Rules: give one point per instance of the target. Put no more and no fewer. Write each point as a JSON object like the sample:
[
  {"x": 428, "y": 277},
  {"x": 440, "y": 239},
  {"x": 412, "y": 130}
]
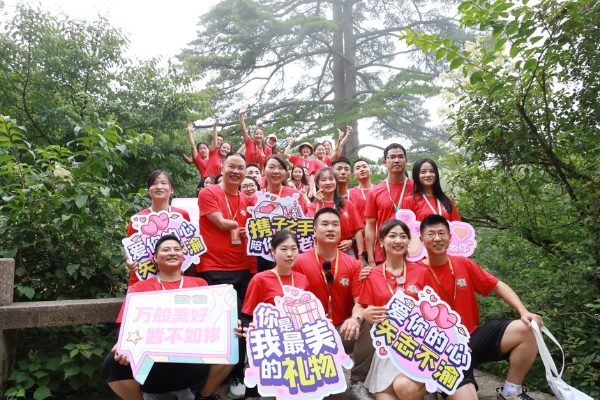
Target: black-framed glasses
[
  {"x": 394, "y": 157},
  {"x": 327, "y": 268}
]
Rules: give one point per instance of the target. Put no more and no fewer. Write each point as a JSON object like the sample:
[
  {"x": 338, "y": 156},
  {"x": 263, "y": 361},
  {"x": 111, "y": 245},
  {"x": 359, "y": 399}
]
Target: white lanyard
[
  {"x": 439, "y": 206},
  {"x": 396, "y": 207},
  {"x": 161, "y": 285}
]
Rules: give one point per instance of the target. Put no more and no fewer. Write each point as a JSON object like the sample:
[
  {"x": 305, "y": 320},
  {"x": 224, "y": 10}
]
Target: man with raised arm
[{"x": 385, "y": 199}]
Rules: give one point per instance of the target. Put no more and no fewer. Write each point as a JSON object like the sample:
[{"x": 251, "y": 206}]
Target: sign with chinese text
[
  {"x": 193, "y": 325},
  {"x": 425, "y": 340},
  {"x": 189, "y": 204},
  {"x": 462, "y": 243},
  {"x": 294, "y": 352},
  {"x": 150, "y": 227},
  {"x": 272, "y": 214}
]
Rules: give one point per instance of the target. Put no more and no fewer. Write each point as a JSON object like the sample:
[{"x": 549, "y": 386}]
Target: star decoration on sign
[{"x": 134, "y": 337}]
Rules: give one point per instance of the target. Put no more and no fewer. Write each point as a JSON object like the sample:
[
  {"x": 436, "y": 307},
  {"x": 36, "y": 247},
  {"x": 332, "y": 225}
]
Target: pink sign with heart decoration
[
  {"x": 424, "y": 339},
  {"x": 462, "y": 242},
  {"x": 298, "y": 344}
]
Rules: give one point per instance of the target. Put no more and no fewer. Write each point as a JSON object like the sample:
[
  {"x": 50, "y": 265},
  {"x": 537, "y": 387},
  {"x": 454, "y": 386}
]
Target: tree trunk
[
  {"x": 339, "y": 81},
  {"x": 350, "y": 67}
]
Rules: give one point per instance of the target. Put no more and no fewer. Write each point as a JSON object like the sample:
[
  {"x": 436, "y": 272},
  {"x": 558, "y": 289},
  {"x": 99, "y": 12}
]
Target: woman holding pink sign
[
  {"x": 428, "y": 197},
  {"x": 384, "y": 379},
  {"x": 160, "y": 189}
]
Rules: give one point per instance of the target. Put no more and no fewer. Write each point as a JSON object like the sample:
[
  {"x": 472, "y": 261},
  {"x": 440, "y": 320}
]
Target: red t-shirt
[
  {"x": 359, "y": 202},
  {"x": 201, "y": 164},
  {"x": 356, "y": 192},
  {"x": 256, "y": 154},
  {"x": 214, "y": 164},
  {"x": 419, "y": 206},
  {"x": 251, "y": 261},
  {"x": 315, "y": 165},
  {"x": 221, "y": 254},
  {"x": 344, "y": 289},
  {"x": 150, "y": 285},
  {"x": 375, "y": 291},
  {"x": 130, "y": 231},
  {"x": 264, "y": 286},
  {"x": 327, "y": 161},
  {"x": 297, "y": 160},
  {"x": 350, "y": 219},
  {"x": 469, "y": 279},
  {"x": 380, "y": 207}
]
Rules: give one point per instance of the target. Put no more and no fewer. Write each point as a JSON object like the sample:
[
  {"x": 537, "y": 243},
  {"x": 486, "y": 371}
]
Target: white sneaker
[
  {"x": 360, "y": 392},
  {"x": 237, "y": 389}
]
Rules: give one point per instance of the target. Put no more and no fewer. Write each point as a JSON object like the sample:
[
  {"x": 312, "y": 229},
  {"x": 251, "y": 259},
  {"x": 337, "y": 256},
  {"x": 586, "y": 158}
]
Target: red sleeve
[
  {"x": 252, "y": 296},
  {"x": 311, "y": 209},
  {"x": 483, "y": 281},
  {"x": 294, "y": 159},
  {"x": 327, "y": 161},
  {"x": 313, "y": 167},
  {"x": 207, "y": 202},
  {"x": 454, "y": 214},
  {"x": 408, "y": 203},
  {"x": 355, "y": 219},
  {"x": 366, "y": 294},
  {"x": 130, "y": 230},
  {"x": 357, "y": 284},
  {"x": 371, "y": 206},
  {"x": 200, "y": 164},
  {"x": 268, "y": 150}
]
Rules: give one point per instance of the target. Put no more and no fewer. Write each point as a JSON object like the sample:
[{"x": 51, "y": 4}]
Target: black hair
[
  {"x": 325, "y": 210},
  {"x": 340, "y": 160},
  {"x": 226, "y": 142},
  {"x": 253, "y": 180},
  {"x": 390, "y": 224},
  {"x": 282, "y": 162},
  {"x": 234, "y": 154},
  {"x": 304, "y": 179},
  {"x": 434, "y": 219},
  {"x": 393, "y": 146},
  {"x": 155, "y": 174},
  {"x": 437, "y": 187},
  {"x": 358, "y": 160},
  {"x": 338, "y": 201},
  {"x": 163, "y": 239},
  {"x": 253, "y": 164},
  {"x": 281, "y": 236},
  {"x": 211, "y": 177},
  {"x": 204, "y": 143},
  {"x": 221, "y": 136},
  {"x": 217, "y": 178}
]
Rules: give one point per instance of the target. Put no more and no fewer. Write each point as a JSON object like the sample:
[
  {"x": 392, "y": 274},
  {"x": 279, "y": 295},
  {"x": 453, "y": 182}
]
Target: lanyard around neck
[
  {"x": 387, "y": 185},
  {"x": 386, "y": 282},
  {"x": 163, "y": 287},
  {"x": 437, "y": 280},
  {"x": 231, "y": 215},
  {"x": 439, "y": 205},
  {"x": 279, "y": 279},
  {"x": 337, "y": 261}
]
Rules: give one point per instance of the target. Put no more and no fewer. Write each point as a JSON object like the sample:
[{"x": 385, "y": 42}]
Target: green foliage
[{"x": 524, "y": 111}]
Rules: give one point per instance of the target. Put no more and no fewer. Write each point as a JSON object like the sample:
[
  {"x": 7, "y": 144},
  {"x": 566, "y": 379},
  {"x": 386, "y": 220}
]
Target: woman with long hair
[
  {"x": 351, "y": 223},
  {"x": 299, "y": 180},
  {"x": 160, "y": 188},
  {"x": 384, "y": 379},
  {"x": 428, "y": 197}
]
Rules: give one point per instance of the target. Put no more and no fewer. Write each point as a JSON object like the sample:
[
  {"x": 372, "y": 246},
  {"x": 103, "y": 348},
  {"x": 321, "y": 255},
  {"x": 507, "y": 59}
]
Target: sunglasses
[{"x": 327, "y": 268}]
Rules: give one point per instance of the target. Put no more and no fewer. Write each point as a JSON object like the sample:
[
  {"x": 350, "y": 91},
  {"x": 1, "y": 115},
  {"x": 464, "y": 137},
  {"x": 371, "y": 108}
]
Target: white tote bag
[{"x": 558, "y": 386}]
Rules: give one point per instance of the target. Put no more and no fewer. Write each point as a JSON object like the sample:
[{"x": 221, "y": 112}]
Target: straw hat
[{"x": 307, "y": 145}]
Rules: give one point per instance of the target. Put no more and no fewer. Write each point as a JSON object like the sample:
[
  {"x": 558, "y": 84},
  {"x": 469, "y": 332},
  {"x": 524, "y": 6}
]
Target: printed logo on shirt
[
  {"x": 346, "y": 214},
  {"x": 412, "y": 288},
  {"x": 345, "y": 281},
  {"x": 461, "y": 282},
  {"x": 243, "y": 212}
]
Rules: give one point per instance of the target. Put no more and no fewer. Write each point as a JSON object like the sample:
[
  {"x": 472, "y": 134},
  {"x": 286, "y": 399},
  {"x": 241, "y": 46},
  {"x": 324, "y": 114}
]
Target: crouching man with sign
[
  {"x": 168, "y": 341},
  {"x": 456, "y": 279}
]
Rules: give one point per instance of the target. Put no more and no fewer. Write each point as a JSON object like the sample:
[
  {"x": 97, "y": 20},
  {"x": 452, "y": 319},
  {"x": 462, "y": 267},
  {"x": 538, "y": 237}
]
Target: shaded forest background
[{"x": 81, "y": 126}]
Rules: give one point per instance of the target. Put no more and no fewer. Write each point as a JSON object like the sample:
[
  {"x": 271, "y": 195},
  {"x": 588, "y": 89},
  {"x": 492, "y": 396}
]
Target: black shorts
[
  {"x": 163, "y": 377},
  {"x": 485, "y": 347}
]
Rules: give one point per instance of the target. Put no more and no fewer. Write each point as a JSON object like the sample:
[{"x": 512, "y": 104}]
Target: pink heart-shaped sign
[
  {"x": 382, "y": 351},
  {"x": 267, "y": 209},
  {"x": 405, "y": 217},
  {"x": 432, "y": 298},
  {"x": 149, "y": 229},
  {"x": 430, "y": 313},
  {"x": 161, "y": 221},
  {"x": 445, "y": 319},
  {"x": 295, "y": 292},
  {"x": 461, "y": 233},
  {"x": 377, "y": 343}
]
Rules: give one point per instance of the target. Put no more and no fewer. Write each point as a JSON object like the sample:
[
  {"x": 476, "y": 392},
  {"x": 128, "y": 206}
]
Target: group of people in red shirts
[{"x": 359, "y": 259}]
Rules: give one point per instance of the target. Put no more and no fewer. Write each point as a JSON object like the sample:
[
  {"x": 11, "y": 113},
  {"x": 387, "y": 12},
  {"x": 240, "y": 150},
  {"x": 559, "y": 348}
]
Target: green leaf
[
  {"x": 80, "y": 200},
  {"x": 457, "y": 62},
  {"x": 499, "y": 44},
  {"x": 514, "y": 51},
  {"x": 530, "y": 64},
  {"x": 440, "y": 54},
  {"x": 475, "y": 77},
  {"x": 71, "y": 370},
  {"x": 42, "y": 393},
  {"x": 26, "y": 291}
]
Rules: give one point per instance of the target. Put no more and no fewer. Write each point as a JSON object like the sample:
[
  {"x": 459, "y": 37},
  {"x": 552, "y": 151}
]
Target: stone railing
[{"x": 37, "y": 314}]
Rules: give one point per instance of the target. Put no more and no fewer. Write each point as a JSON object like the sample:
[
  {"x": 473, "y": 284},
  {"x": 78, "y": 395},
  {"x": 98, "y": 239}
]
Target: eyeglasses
[
  {"x": 431, "y": 235},
  {"x": 327, "y": 268},
  {"x": 398, "y": 157},
  {"x": 248, "y": 186}
]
